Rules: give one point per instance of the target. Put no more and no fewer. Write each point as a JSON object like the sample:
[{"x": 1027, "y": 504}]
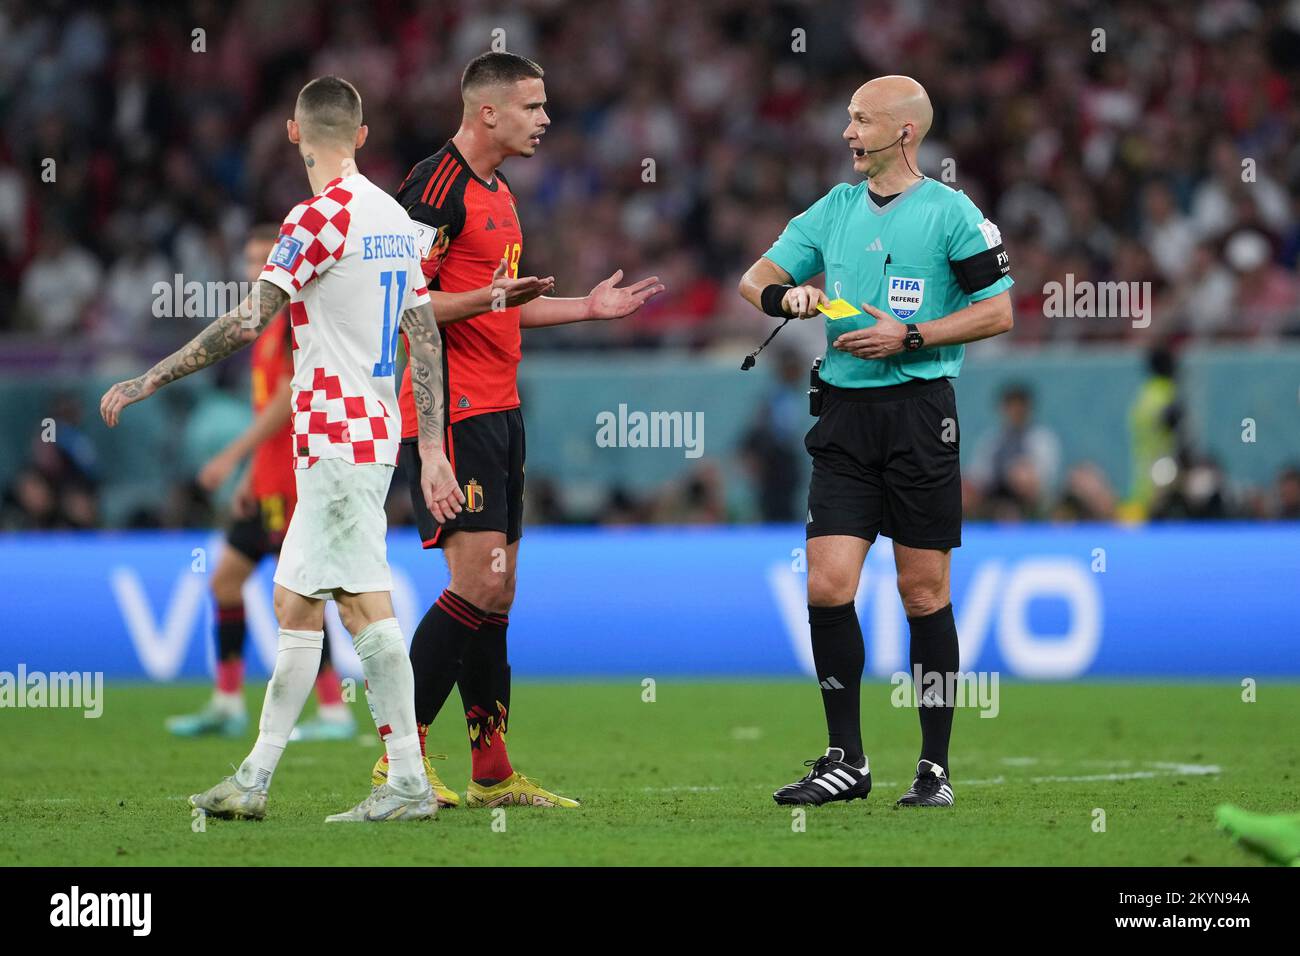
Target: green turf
[{"x": 683, "y": 780}]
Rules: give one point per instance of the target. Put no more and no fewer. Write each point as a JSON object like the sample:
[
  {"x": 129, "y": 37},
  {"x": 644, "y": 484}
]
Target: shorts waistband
[{"x": 889, "y": 393}]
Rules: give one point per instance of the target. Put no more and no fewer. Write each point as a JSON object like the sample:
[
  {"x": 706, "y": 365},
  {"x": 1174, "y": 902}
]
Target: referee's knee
[
  {"x": 923, "y": 598},
  {"x": 830, "y": 588}
]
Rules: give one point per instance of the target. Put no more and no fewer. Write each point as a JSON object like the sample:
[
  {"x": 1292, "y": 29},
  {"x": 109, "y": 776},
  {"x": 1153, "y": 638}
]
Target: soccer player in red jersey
[
  {"x": 262, "y": 506},
  {"x": 472, "y": 241}
]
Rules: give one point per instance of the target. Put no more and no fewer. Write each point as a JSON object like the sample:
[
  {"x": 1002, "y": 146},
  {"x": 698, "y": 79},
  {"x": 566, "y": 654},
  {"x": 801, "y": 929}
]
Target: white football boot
[
  {"x": 384, "y": 804},
  {"x": 231, "y": 801}
]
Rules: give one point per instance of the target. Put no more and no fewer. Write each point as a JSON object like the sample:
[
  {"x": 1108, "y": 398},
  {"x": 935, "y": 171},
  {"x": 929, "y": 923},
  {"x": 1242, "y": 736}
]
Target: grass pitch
[{"x": 685, "y": 780}]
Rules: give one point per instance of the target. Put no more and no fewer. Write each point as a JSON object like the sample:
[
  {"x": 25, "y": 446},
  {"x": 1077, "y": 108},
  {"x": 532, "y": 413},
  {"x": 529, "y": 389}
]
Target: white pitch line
[{"x": 1162, "y": 769}]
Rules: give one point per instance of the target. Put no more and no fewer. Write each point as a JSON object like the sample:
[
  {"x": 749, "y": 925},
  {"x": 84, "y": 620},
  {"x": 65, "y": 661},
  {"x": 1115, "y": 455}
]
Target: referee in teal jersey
[{"x": 928, "y": 273}]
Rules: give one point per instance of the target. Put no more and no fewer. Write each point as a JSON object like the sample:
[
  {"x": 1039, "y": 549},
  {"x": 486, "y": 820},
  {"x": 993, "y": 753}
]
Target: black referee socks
[
  {"x": 934, "y": 651},
  {"x": 839, "y": 656}
]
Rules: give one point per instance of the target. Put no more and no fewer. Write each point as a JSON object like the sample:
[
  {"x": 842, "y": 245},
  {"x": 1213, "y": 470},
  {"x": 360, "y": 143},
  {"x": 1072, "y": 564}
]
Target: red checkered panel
[
  {"x": 329, "y": 424},
  {"x": 321, "y": 226},
  {"x": 343, "y": 320}
]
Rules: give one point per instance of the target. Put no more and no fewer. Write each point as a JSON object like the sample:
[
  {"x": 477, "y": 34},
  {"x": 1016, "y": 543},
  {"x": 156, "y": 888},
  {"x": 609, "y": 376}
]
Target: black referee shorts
[
  {"x": 487, "y": 453},
  {"x": 882, "y": 465}
]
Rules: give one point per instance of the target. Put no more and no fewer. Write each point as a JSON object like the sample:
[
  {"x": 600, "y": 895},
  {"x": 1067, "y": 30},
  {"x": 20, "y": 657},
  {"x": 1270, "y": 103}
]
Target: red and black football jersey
[
  {"x": 473, "y": 226},
  {"x": 271, "y": 469}
]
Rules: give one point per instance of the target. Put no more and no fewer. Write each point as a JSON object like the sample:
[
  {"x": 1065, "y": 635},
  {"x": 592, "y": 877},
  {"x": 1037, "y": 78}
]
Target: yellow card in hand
[{"x": 838, "y": 309}]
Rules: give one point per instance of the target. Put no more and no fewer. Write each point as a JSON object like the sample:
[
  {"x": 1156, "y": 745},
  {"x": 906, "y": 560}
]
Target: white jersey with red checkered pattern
[{"x": 348, "y": 258}]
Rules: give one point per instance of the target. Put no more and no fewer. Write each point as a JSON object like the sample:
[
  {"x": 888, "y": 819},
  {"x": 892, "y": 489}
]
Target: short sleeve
[
  {"x": 312, "y": 239},
  {"x": 979, "y": 260},
  {"x": 417, "y": 295},
  {"x": 437, "y": 211},
  {"x": 798, "y": 250}
]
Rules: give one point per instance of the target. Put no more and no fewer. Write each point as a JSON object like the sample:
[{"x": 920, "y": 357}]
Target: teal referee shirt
[{"x": 925, "y": 254}]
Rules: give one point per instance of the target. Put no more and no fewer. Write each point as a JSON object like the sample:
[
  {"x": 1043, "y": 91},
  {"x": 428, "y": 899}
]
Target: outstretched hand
[
  {"x": 509, "y": 292},
  {"x": 608, "y": 301}
]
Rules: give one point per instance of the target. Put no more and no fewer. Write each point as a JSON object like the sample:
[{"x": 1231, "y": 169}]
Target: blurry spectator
[
  {"x": 1206, "y": 303},
  {"x": 1087, "y": 496},
  {"x": 1167, "y": 233},
  {"x": 622, "y": 509},
  {"x": 129, "y": 291},
  {"x": 29, "y": 504},
  {"x": 1288, "y": 494},
  {"x": 1213, "y": 203},
  {"x": 57, "y": 487},
  {"x": 1196, "y": 490},
  {"x": 59, "y": 285},
  {"x": 772, "y": 449},
  {"x": 698, "y": 498},
  {"x": 1017, "y": 466},
  {"x": 1154, "y": 419},
  {"x": 1267, "y": 295}
]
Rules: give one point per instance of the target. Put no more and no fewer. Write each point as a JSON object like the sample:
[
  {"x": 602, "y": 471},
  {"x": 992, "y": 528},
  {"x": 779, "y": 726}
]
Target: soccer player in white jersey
[{"x": 347, "y": 264}]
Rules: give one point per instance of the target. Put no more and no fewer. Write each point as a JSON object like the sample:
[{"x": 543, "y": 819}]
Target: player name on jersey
[{"x": 398, "y": 246}]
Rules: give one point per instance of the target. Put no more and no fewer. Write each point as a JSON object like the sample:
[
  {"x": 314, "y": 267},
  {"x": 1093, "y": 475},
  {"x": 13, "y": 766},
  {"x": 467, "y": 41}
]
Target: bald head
[
  {"x": 888, "y": 118},
  {"x": 901, "y": 100}
]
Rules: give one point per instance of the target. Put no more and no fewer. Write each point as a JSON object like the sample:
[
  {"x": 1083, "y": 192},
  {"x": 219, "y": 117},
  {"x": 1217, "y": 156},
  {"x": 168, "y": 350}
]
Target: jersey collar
[
  {"x": 490, "y": 186},
  {"x": 336, "y": 181},
  {"x": 897, "y": 200}
]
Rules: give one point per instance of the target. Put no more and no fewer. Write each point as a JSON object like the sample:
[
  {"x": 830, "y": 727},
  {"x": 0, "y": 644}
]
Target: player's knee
[
  {"x": 492, "y": 593},
  {"x": 294, "y": 614},
  {"x": 352, "y": 622},
  {"x": 227, "y": 588},
  {"x": 488, "y": 588}
]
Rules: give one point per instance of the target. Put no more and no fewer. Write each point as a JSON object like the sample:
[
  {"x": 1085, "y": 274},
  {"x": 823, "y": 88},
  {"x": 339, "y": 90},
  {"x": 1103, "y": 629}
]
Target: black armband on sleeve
[
  {"x": 772, "y": 297},
  {"x": 982, "y": 269}
]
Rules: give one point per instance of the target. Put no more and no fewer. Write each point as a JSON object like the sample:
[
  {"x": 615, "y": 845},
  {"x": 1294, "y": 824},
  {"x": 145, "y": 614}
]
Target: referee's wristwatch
[{"x": 912, "y": 340}]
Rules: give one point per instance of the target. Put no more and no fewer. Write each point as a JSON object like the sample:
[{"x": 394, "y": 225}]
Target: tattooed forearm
[
  {"x": 426, "y": 372},
  {"x": 225, "y": 336}
]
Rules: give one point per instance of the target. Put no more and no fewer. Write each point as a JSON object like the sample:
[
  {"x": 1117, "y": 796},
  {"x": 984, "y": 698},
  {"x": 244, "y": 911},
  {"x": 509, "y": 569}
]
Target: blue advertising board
[{"x": 1043, "y": 603}]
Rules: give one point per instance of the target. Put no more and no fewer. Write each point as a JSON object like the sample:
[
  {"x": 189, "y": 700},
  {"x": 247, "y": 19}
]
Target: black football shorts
[
  {"x": 487, "y": 453},
  {"x": 886, "y": 461},
  {"x": 260, "y": 535}
]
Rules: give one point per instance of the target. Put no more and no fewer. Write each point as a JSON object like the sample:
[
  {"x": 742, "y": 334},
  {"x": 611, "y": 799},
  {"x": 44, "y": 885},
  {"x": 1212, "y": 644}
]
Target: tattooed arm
[
  {"x": 224, "y": 337},
  {"x": 442, "y": 494}
]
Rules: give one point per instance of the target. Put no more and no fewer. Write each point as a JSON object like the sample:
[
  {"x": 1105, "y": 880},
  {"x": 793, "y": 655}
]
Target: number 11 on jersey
[{"x": 394, "y": 284}]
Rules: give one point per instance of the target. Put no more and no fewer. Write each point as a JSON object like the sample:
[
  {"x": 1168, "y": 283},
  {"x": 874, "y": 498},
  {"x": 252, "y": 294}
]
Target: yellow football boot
[
  {"x": 446, "y": 796},
  {"x": 515, "y": 791}
]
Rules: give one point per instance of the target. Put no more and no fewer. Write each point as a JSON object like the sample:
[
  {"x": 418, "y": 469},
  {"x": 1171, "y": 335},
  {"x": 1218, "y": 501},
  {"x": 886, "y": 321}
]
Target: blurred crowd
[
  {"x": 1171, "y": 156},
  {"x": 1147, "y": 141},
  {"x": 1016, "y": 472}
]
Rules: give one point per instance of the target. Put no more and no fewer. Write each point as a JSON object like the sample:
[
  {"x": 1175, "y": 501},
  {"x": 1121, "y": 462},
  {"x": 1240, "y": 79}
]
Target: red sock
[
  {"x": 487, "y": 749},
  {"x": 230, "y": 675},
  {"x": 423, "y": 729},
  {"x": 328, "y": 691}
]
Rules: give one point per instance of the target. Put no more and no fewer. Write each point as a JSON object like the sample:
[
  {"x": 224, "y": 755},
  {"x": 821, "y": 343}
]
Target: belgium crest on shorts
[{"x": 473, "y": 496}]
